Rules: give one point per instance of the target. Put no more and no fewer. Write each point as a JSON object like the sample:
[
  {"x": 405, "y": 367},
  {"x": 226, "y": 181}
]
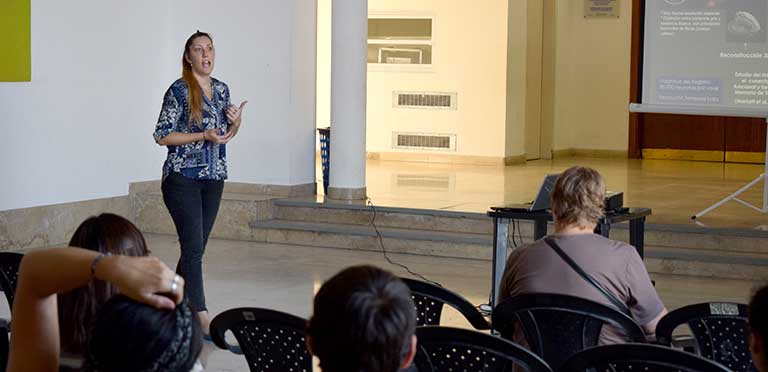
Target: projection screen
[{"x": 706, "y": 57}]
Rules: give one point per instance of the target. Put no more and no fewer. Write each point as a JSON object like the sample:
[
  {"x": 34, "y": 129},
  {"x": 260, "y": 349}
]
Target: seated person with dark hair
[
  {"x": 577, "y": 206},
  {"x": 107, "y": 234},
  {"x": 363, "y": 320},
  {"x": 758, "y": 324},
  {"x": 147, "y": 328}
]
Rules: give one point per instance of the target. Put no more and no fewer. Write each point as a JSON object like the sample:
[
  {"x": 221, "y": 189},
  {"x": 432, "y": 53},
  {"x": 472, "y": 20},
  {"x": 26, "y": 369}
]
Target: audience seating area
[{"x": 561, "y": 333}]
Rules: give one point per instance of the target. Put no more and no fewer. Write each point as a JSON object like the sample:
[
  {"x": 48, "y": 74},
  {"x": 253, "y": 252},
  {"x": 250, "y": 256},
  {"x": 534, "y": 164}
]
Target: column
[{"x": 349, "y": 33}]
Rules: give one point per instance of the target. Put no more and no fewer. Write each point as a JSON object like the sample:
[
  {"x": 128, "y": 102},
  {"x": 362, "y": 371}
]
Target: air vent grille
[
  {"x": 424, "y": 141},
  {"x": 424, "y": 100},
  {"x": 411, "y": 140}
]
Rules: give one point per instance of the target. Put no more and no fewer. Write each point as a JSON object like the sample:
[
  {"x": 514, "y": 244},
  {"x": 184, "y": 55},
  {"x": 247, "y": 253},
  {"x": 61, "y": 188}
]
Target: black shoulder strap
[{"x": 588, "y": 278}]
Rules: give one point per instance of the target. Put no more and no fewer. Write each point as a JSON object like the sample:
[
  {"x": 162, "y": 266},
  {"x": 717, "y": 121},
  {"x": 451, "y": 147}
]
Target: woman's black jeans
[{"x": 193, "y": 205}]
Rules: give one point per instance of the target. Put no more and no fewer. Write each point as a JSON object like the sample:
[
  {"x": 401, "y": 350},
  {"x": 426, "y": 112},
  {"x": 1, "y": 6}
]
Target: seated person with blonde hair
[{"x": 577, "y": 206}]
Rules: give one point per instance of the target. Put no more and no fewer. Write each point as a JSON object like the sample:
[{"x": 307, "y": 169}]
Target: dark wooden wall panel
[
  {"x": 683, "y": 132},
  {"x": 745, "y": 134}
]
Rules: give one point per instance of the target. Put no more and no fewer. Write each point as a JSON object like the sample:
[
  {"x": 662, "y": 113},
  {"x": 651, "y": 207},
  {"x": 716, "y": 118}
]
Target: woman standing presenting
[{"x": 196, "y": 122}]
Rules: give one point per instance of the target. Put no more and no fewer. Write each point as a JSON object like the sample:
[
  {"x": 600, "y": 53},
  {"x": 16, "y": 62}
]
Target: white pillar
[{"x": 349, "y": 33}]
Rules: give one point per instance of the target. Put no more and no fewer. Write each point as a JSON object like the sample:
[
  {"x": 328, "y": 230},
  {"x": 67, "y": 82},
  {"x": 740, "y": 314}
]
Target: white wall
[
  {"x": 591, "y": 78},
  {"x": 324, "y": 16},
  {"x": 524, "y": 69},
  {"x": 300, "y": 140},
  {"x": 263, "y": 54},
  {"x": 470, "y": 54},
  {"x": 534, "y": 78},
  {"x": 567, "y": 77},
  {"x": 82, "y": 129},
  {"x": 488, "y": 52}
]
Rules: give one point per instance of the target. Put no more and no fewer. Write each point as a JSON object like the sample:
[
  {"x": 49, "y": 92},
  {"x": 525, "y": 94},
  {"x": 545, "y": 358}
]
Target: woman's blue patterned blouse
[{"x": 202, "y": 160}]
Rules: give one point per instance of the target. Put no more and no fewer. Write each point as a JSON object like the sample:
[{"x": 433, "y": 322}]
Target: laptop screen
[{"x": 543, "y": 199}]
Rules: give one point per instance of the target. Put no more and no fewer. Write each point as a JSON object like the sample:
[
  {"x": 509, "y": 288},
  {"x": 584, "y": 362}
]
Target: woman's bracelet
[
  {"x": 204, "y": 139},
  {"x": 96, "y": 262}
]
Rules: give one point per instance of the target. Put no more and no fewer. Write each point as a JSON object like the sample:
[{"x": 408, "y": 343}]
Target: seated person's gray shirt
[{"x": 536, "y": 268}]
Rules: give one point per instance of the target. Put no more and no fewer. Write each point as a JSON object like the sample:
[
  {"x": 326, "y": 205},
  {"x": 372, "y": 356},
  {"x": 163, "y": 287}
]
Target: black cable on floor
[{"x": 384, "y": 250}]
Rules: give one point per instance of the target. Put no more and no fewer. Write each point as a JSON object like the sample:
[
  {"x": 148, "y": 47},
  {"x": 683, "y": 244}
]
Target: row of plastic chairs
[
  {"x": 558, "y": 326},
  {"x": 275, "y": 341},
  {"x": 444, "y": 349}
]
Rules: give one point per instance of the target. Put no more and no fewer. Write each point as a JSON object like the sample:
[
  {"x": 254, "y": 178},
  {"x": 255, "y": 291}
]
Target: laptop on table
[{"x": 542, "y": 202}]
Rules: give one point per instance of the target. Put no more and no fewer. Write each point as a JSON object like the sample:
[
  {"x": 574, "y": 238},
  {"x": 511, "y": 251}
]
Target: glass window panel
[{"x": 400, "y": 28}]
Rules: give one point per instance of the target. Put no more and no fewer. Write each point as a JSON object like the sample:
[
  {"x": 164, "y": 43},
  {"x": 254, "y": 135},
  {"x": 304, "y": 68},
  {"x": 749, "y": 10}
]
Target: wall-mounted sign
[
  {"x": 15, "y": 26},
  {"x": 601, "y": 8}
]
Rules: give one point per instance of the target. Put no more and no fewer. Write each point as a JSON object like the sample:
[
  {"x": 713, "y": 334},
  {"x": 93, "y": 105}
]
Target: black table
[{"x": 502, "y": 218}]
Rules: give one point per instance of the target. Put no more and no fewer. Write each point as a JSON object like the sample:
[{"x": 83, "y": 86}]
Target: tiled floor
[
  {"x": 675, "y": 190},
  {"x": 285, "y": 278}
]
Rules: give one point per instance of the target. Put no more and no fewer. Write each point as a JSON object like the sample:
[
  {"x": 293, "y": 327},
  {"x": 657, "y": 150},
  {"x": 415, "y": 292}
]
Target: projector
[{"x": 614, "y": 201}]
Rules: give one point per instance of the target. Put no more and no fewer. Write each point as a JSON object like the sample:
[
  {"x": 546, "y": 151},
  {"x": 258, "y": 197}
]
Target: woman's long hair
[
  {"x": 195, "y": 98},
  {"x": 107, "y": 233},
  {"x": 129, "y": 336}
]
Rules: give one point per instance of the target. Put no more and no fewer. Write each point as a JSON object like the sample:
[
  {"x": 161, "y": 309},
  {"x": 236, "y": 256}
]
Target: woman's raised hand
[
  {"x": 144, "y": 279},
  {"x": 235, "y": 113}
]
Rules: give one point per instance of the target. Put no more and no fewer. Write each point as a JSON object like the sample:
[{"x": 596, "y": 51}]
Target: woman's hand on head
[{"x": 144, "y": 279}]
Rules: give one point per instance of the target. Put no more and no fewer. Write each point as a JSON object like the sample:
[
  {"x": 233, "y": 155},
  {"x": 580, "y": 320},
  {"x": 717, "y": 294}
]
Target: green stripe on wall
[{"x": 16, "y": 64}]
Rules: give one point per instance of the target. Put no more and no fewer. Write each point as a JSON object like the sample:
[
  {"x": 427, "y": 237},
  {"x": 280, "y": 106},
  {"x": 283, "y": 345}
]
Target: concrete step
[
  {"x": 670, "y": 249},
  {"x": 713, "y": 240},
  {"x": 387, "y": 217},
  {"x": 664, "y": 260},
  {"x": 692, "y": 262},
  {"x": 672, "y": 236},
  {"x": 356, "y": 237}
]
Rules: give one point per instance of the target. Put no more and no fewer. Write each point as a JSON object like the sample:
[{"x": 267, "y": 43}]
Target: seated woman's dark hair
[
  {"x": 758, "y": 317},
  {"x": 109, "y": 234},
  {"x": 363, "y": 320},
  {"x": 129, "y": 336}
]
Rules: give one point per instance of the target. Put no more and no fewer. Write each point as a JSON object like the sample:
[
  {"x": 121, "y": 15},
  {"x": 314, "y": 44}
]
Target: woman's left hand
[
  {"x": 235, "y": 116},
  {"x": 144, "y": 279}
]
